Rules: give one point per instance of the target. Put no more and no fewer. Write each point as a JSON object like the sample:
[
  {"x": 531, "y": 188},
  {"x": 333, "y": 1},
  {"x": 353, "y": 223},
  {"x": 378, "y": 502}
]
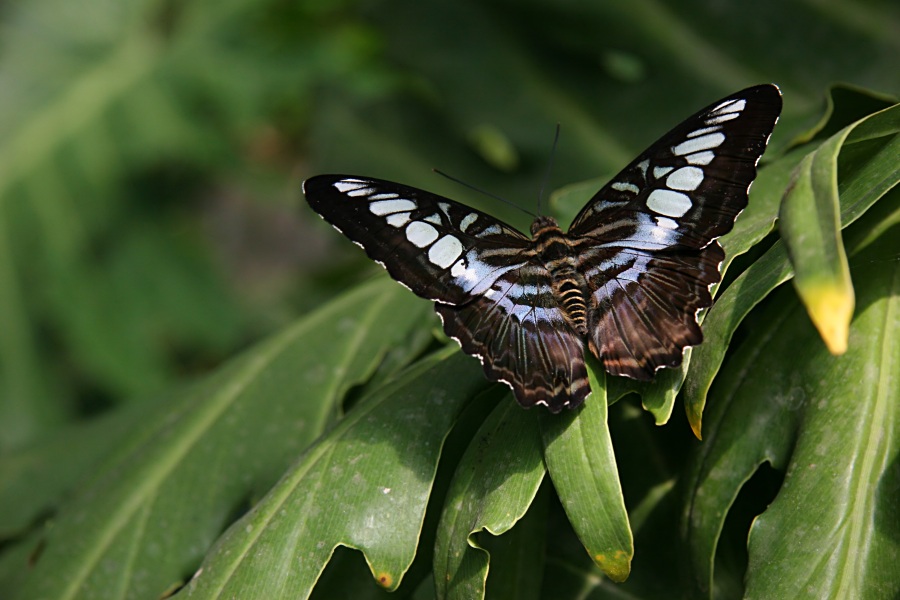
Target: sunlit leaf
[
  {"x": 863, "y": 183},
  {"x": 581, "y": 463},
  {"x": 810, "y": 223}
]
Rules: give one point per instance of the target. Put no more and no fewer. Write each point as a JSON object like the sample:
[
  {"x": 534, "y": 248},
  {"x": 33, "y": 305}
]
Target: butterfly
[{"x": 627, "y": 280}]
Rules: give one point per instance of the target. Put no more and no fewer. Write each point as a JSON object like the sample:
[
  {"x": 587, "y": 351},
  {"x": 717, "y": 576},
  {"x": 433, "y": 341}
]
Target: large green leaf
[
  {"x": 858, "y": 194},
  {"x": 145, "y": 519},
  {"x": 839, "y": 546},
  {"x": 364, "y": 485},
  {"x": 829, "y": 423}
]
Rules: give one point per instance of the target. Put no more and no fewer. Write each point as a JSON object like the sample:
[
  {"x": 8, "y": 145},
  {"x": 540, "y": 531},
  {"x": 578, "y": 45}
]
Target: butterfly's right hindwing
[{"x": 440, "y": 249}]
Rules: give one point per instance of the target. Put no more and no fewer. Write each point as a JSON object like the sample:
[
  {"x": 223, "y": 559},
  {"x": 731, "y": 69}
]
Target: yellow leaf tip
[
  {"x": 617, "y": 567},
  {"x": 695, "y": 420},
  {"x": 831, "y": 310},
  {"x": 696, "y": 428},
  {"x": 385, "y": 580}
]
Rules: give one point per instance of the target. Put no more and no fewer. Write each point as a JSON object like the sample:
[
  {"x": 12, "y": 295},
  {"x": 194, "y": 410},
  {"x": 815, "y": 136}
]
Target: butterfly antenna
[
  {"x": 549, "y": 168},
  {"x": 485, "y": 192}
]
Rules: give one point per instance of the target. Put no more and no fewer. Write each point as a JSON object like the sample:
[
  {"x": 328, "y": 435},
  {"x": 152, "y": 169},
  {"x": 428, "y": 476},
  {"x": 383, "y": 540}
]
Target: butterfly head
[{"x": 542, "y": 225}]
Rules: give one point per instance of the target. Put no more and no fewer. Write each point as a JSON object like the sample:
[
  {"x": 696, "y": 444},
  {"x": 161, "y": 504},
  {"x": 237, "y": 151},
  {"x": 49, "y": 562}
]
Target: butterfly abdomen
[{"x": 559, "y": 258}]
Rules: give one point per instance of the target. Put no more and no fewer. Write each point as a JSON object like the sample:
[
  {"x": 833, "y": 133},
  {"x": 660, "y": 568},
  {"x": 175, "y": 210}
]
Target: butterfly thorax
[{"x": 555, "y": 250}]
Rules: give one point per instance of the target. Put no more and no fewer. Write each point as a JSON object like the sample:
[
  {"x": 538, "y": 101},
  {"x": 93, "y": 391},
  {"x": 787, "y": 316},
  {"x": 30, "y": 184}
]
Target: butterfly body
[
  {"x": 626, "y": 280},
  {"x": 560, "y": 257}
]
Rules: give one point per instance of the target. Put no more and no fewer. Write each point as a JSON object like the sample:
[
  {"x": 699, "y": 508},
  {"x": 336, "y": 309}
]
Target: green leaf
[
  {"x": 750, "y": 288},
  {"x": 518, "y": 556},
  {"x": 840, "y": 545},
  {"x": 580, "y": 459},
  {"x": 146, "y": 519},
  {"x": 810, "y": 223},
  {"x": 364, "y": 485},
  {"x": 740, "y": 437},
  {"x": 495, "y": 483},
  {"x": 34, "y": 480},
  {"x": 834, "y": 546}
]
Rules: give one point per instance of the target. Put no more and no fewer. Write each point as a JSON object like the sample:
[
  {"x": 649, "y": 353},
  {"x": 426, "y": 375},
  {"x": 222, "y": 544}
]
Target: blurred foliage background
[{"x": 151, "y": 151}]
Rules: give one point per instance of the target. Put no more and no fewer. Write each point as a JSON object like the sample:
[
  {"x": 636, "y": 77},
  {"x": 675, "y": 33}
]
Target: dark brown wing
[
  {"x": 647, "y": 238},
  {"x": 518, "y": 331},
  {"x": 490, "y": 290}
]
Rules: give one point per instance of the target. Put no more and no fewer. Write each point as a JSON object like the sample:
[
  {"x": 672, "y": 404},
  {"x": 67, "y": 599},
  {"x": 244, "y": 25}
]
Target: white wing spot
[
  {"x": 660, "y": 171},
  {"x": 398, "y": 219},
  {"x": 459, "y": 268},
  {"x": 666, "y": 223},
  {"x": 363, "y": 191},
  {"x": 700, "y": 158},
  {"x": 703, "y": 131},
  {"x": 444, "y": 207},
  {"x": 643, "y": 166},
  {"x": 704, "y": 142},
  {"x": 345, "y": 185},
  {"x": 386, "y": 196},
  {"x": 435, "y": 218},
  {"x": 386, "y": 207},
  {"x": 421, "y": 234},
  {"x": 467, "y": 221},
  {"x": 625, "y": 187},
  {"x": 669, "y": 203},
  {"x": 492, "y": 230},
  {"x": 445, "y": 251},
  {"x": 729, "y": 107},
  {"x": 686, "y": 178},
  {"x": 722, "y": 118}
]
